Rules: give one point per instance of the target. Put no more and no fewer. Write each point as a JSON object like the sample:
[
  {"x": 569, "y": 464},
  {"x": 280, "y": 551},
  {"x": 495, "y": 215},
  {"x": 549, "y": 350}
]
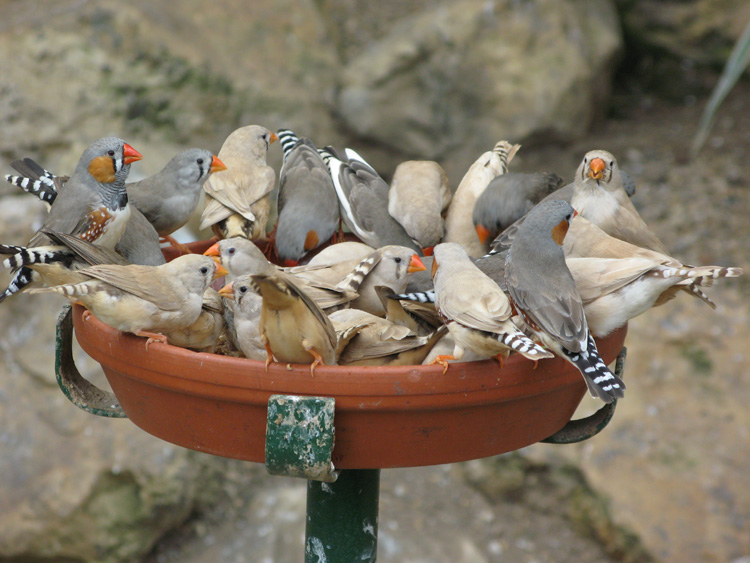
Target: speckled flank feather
[
  {"x": 353, "y": 281},
  {"x": 602, "y": 383}
]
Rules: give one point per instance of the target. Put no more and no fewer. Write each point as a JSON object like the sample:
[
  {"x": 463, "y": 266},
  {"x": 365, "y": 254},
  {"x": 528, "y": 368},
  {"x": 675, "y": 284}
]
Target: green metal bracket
[
  {"x": 82, "y": 393},
  {"x": 300, "y": 437},
  {"x": 585, "y": 428}
]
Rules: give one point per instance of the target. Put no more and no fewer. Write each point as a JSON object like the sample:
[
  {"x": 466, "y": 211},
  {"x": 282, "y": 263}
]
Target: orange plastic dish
[{"x": 384, "y": 416}]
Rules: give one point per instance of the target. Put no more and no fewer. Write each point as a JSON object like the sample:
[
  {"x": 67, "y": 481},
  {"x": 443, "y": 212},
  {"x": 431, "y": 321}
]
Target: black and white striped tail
[
  {"x": 44, "y": 189},
  {"x": 524, "y": 345},
  {"x": 353, "y": 281},
  {"x": 420, "y": 296},
  {"x": 602, "y": 383},
  {"x": 506, "y": 152},
  {"x": 23, "y": 278},
  {"x": 22, "y": 256},
  {"x": 287, "y": 139}
]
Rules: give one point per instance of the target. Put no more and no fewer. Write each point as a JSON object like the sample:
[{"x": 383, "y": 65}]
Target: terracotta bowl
[{"x": 384, "y": 417}]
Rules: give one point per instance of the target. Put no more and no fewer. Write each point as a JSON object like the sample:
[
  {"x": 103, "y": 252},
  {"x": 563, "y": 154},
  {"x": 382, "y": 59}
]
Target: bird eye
[
  {"x": 243, "y": 289},
  {"x": 204, "y": 270},
  {"x": 397, "y": 259},
  {"x": 200, "y": 161},
  {"x": 111, "y": 152},
  {"x": 611, "y": 163},
  {"x": 231, "y": 250}
]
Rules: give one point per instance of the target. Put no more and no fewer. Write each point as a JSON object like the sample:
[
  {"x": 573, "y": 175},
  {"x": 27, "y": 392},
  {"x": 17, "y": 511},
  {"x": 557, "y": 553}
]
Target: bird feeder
[{"x": 338, "y": 428}]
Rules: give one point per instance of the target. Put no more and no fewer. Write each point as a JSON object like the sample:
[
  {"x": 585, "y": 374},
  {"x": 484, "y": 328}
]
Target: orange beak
[
  {"x": 415, "y": 265},
  {"x": 213, "y": 251},
  {"x": 575, "y": 212},
  {"x": 129, "y": 154},
  {"x": 227, "y": 291},
  {"x": 596, "y": 169},
  {"x": 483, "y": 233},
  {"x": 220, "y": 271},
  {"x": 217, "y": 165},
  {"x": 273, "y": 138},
  {"x": 427, "y": 251}
]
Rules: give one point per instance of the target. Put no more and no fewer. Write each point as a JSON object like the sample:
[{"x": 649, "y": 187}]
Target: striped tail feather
[
  {"x": 71, "y": 291},
  {"x": 506, "y": 152},
  {"x": 35, "y": 187},
  {"x": 353, "y": 280},
  {"x": 29, "y": 256},
  {"x": 287, "y": 139},
  {"x": 524, "y": 345},
  {"x": 601, "y": 382},
  {"x": 22, "y": 279},
  {"x": 420, "y": 296}
]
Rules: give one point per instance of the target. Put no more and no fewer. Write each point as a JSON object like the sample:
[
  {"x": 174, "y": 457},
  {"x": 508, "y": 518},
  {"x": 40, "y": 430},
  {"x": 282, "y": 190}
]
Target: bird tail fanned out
[
  {"x": 602, "y": 383},
  {"x": 522, "y": 344},
  {"x": 287, "y": 139}
]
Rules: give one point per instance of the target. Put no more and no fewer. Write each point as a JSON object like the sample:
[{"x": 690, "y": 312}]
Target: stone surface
[
  {"x": 470, "y": 73},
  {"x": 701, "y": 31}
]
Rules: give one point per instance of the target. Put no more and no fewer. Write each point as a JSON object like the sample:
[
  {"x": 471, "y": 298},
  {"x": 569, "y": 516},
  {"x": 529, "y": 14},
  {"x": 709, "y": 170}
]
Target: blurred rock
[
  {"x": 702, "y": 31},
  {"x": 466, "y": 74}
]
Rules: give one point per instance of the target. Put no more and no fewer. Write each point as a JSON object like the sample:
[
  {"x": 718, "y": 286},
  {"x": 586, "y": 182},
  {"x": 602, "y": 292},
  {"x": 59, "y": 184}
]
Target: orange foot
[
  {"x": 500, "y": 358},
  {"x": 269, "y": 356},
  {"x": 318, "y": 360},
  {"x": 152, "y": 337},
  {"x": 86, "y": 315},
  {"x": 443, "y": 361},
  {"x": 181, "y": 248}
]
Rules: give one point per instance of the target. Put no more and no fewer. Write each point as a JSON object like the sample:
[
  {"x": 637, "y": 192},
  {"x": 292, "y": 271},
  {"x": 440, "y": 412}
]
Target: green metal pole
[{"x": 342, "y": 518}]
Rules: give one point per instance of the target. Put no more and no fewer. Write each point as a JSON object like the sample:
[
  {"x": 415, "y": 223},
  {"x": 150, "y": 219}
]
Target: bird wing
[
  {"x": 596, "y": 277},
  {"x": 475, "y": 301},
  {"x": 551, "y": 302},
  {"x": 141, "y": 281},
  {"x": 238, "y": 188},
  {"x": 315, "y": 310}
]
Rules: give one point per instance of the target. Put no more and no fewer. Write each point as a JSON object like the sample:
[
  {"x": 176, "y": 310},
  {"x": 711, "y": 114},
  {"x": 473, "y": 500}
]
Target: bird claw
[
  {"x": 86, "y": 315},
  {"x": 443, "y": 361},
  {"x": 152, "y": 337}
]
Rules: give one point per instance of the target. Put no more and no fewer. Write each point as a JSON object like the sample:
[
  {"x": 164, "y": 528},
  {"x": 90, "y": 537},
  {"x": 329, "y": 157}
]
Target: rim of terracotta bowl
[{"x": 384, "y": 417}]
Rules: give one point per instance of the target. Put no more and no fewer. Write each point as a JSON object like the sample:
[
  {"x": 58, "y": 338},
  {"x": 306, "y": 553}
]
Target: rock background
[{"x": 398, "y": 80}]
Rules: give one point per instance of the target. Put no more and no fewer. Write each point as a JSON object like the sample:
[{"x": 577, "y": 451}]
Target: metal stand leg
[{"x": 342, "y": 518}]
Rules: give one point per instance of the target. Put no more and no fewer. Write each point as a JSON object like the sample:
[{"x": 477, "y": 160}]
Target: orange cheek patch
[
  {"x": 434, "y": 267},
  {"x": 102, "y": 168},
  {"x": 311, "y": 240},
  {"x": 559, "y": 232}
]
